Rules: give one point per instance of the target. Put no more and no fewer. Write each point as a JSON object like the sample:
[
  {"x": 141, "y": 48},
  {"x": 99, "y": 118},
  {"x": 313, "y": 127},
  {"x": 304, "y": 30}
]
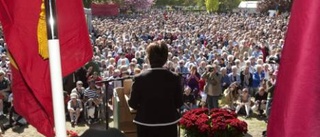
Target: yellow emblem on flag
[
  {"x": 42, "y": 34},
  {"x": 13, "y": 63}
]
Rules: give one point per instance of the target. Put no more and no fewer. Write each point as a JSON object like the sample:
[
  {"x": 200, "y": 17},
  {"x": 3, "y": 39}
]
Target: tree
[
  {"x": 169, "y": 2},
  {"x": 87, "y": 3},
  {"x": 227, "y": 5},
  {"x": 200, "y": 3},
  {"x": 212, "y": 5}
]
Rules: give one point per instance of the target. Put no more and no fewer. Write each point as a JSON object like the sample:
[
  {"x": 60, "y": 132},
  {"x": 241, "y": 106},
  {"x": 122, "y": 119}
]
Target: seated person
[
  {"x": 202, "y": 102},
  {"x": 14, "y": 118},
  {"x": 231, "y": 95},
  {"x": 74, "y": 108},
  {"x": 97, "y": 100},
  {"x": 90, "y": 95},
  {"x": 260, "y": 101},
  {"x": 244, "y": 101},
  {"x": 79, "y": 89},
  {"x": 188, "y": 100},
  {"x": 5, "y": 90}
]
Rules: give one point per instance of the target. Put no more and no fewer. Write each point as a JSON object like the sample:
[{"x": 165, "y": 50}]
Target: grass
[{"x": 255, "y": 126}]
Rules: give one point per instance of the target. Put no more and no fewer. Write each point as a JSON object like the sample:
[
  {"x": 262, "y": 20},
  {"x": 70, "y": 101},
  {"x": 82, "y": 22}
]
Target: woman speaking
[{"x": 156, "y": 95}]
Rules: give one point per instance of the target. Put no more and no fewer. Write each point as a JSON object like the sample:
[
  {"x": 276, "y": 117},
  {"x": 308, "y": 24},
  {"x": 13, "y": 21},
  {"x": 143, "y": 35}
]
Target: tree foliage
[
  {"x": 176, "y": 2},
  {"x": 212, "y": 5},
  {"x": 200, "y": 3},
  {"x": 228, "y": 5},
  {"x": 87, "y": 3}
]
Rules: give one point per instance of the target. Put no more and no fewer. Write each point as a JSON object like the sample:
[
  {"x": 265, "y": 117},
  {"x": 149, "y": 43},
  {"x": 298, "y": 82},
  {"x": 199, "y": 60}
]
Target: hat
[{"x": 73, "y": 95}]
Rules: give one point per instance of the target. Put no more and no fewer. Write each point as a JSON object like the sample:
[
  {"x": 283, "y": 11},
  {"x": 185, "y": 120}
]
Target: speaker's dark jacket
[{"x": 156, "y": 95}]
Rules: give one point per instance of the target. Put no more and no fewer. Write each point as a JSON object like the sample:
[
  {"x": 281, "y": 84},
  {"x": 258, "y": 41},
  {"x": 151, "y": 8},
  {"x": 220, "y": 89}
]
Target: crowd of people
[{"x": 231, "y": 57}]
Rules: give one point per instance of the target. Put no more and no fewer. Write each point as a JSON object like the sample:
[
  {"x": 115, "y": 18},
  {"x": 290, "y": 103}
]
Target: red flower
[
  {"x": 71, "y": 133},
  {"x": 201, "y": 122}
]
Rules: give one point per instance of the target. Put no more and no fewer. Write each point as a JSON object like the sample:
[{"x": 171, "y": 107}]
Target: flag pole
[{"x": 55, "y": 69}]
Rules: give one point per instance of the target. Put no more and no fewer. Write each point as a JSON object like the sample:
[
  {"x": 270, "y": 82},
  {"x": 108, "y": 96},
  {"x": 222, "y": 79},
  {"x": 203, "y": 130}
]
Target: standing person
[
  {"x": 193, "y": 81},
  {"x": 213, "y": 86},
  {"x": 156, "y": 95},
  {"x": 270, "y": 90}
]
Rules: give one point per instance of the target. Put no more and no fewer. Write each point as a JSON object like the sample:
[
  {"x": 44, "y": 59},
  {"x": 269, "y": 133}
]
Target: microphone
[{"x": 115, "y": 79}]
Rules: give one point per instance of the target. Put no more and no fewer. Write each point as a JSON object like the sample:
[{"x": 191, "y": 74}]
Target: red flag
[
  {"x": 31, "y": 82},
  {"x": 295, "y": 109}
]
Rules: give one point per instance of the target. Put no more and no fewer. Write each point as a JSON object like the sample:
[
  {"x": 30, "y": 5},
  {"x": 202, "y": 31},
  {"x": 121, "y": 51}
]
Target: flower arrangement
[
  {"x": 214, "y": 123},
  {"x": 71, "y": 133}
]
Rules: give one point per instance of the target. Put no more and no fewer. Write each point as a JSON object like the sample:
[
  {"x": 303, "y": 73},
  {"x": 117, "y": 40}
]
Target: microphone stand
[{"x": 105, "y": 103}]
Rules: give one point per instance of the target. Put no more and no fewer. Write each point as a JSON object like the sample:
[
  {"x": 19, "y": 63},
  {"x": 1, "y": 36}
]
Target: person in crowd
[
  {"x": 225, "y": 78},
  {"x": 191, "y": 63},
  {"x": 14, "y": 118},
  {"x": 75, "y": 108},
  {"x": 213, "y": 87},
  {"x": 260, "y": 101},
  {"x": 257, "y": 79},
  {"x": 193, "y": 81},
  {"x": 89, "y": 72},
  {"x": 109, "y": 72},
  {"x": 95, "y": 77},
  {"x": 4, "y": 63},
  {"x": 270, "y": 90},
  {"x": 188, "y": 100},
  {"x": 257, "y": 52},
  {"x": 244, "y": 101},
  {"x": 231, "y": 95},
  {"x": 246, "y": 77},
  {"x": 267, "y": 71},
  {"x": 140, "y": 59},
  {"x": 5, "y": 90},
  {"x": 243, "y": 40},
  {"x": 122, "y": 58},
  {"x": 170, "y": 66},
  {"x": 79, "y": 89},
  {"x": 156, "y": 104},
  {"x": 234, "y": 76},
  {"x": 130, "y": 54},
  {"x": 89, "y": 94},
  {"x": 132, "y": 66},
  {"x": 182, "y": 68},
  {"x": 202, "y": 67}
]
